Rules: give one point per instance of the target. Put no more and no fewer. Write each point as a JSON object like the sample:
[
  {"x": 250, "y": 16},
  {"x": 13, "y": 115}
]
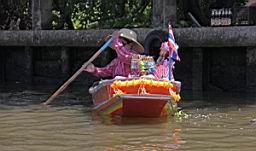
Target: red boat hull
[{"x": 131, "y": 105}]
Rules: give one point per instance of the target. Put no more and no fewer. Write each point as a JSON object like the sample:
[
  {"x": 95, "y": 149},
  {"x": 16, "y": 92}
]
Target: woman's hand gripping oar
[{"x": 62, "y": 88}]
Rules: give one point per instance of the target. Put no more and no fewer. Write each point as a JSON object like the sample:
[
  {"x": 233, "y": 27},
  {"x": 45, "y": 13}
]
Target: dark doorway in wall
[
  {"x": 224, "y": 68},
  {"x": 2, "y": 65}
]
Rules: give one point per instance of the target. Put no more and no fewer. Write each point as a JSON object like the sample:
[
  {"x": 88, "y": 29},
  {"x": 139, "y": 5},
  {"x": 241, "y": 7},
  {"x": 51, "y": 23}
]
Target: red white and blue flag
[
  {"x": 172, "y": 44},
  {"x": 165, "y": 70}
]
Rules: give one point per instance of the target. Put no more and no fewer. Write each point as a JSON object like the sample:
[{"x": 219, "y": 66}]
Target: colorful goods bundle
[{"x": 145, "y": 64}]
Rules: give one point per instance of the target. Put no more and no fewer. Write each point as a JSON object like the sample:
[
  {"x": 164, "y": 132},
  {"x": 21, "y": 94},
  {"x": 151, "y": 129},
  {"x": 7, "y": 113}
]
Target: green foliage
[
  {"x": 85, "y": 14},
  {"x": 15, "y": 14},
  {"x": 90, "y": 14},
  {"x": 180, "y": 115},
  {"x": 57, "y": 19}
]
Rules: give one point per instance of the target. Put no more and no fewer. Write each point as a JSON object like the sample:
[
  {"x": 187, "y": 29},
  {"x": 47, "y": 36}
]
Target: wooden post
[
  {"x": 2, "y": 66},
  {"x": 163, "y": 12},
  {"x": 251, "y": 68},
  {"x": 28, "y": 60},
  {"x": 41, "y": 14},
  {"x": 41, "y": 19},
  {"x": 36, "y": 15},
  {"x": 197, "y": 72},
  {"x": 65, "y": 62}
]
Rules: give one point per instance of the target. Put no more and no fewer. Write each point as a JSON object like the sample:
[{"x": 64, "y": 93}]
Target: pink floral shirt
[
  {"x": 162, "y": 70},
  {"x": 120, "y": 66}
]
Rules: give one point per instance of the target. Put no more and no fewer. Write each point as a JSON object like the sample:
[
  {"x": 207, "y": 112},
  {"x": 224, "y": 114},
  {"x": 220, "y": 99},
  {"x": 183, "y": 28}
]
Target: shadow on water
[
  {"x": 22, "y": 95},
  {"x": 217, "y": 99}
]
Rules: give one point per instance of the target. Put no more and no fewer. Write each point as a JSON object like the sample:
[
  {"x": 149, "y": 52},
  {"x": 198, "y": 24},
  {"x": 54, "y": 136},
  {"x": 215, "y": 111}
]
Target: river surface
[{"x": 215, "y": 121}]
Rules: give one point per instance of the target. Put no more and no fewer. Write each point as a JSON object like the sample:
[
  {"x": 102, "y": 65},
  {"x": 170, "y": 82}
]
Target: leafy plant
[{"x": 107, "y": 13}]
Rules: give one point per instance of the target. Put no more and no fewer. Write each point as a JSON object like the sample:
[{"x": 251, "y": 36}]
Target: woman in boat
[
  {"x": 126, "y": 46},
  {"x": 167, "y": 57}
]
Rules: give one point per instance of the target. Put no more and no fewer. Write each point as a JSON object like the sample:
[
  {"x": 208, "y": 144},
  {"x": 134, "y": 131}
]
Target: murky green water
[{"x": 216, "y": 122}]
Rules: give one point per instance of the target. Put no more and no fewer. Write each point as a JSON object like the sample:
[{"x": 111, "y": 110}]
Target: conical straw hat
[{"x": 131, "y": 35}]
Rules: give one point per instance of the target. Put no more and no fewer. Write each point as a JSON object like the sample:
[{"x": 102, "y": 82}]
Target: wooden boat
[{"x": 135, "y": 97}]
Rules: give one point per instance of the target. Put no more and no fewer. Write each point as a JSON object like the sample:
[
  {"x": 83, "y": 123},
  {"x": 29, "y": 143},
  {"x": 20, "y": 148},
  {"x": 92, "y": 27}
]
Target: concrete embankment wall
[
  {"x": 221, "y": 59},
  {"x": 47, "y": 65}
]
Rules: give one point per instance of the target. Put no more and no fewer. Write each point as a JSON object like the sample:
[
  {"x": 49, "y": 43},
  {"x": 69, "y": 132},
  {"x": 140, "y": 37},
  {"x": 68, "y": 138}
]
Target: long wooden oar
[{"x": 50, "y": 99}]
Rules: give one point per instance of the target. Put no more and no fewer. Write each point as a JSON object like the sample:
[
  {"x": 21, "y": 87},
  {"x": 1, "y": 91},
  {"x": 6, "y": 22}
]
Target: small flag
[{"x": 172, "y": 44}]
